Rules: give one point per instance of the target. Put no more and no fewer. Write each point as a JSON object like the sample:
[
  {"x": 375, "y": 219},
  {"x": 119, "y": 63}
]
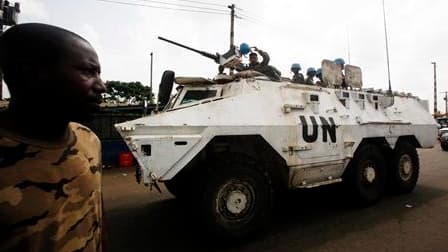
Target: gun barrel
[{"x": 205, "y": 54}]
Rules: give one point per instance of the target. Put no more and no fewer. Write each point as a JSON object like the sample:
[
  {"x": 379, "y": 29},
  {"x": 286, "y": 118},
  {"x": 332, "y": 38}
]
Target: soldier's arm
[{"x": 265, "y": 56}]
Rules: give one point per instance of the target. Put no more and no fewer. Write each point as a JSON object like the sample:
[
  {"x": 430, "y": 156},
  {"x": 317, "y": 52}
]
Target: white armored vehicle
[{"x": 231, "y": 144}]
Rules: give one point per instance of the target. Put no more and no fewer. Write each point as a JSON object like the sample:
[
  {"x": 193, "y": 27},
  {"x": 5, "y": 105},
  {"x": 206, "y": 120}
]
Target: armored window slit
[
  {"x": 146, "y": 149},
  {"x": 314, "y": 98}
]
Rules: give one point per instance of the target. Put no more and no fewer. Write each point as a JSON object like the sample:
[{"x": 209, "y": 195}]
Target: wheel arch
[
  {"x": 381, "y": 142},
  {"x": 251, "y": 147},
  {"x": 410, "y": 139},
  {"x": 386, "y": 146}
]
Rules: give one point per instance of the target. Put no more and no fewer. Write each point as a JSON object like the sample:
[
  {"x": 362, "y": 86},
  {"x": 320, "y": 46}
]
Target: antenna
[
  {"x": 150, "y": 80},
  {"x": 387, "y": 49},
  {"x": 348, "y": 45}
]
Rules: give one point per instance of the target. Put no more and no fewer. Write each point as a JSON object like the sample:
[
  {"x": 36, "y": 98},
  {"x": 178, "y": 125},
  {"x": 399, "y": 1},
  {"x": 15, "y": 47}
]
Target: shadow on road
[{"x": 303, "y": 220}]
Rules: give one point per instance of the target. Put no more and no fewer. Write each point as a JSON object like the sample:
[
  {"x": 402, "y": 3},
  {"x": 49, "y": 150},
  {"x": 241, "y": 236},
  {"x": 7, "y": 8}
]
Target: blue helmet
[
  {"x": 339, "y": 61},
  {"x": 319, "y": 71},
  {"x": 244, "y": 48},
  {"x": 296, "y": 66},
  {"x": 310, "y": 70}
]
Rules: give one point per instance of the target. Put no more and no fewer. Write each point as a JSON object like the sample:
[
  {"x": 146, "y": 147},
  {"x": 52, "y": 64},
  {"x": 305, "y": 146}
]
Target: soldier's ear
[{"x": 31, "y": 74}]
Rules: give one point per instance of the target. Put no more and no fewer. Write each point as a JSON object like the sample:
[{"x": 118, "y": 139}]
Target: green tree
[{"x": 129, "y": 91}]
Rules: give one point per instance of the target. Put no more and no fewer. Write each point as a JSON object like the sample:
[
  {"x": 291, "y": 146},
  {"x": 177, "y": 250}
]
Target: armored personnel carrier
[{"x": 231, "y": 144}]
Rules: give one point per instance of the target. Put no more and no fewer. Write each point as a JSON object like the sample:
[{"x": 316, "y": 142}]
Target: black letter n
[{"x": 328, "y": 128}]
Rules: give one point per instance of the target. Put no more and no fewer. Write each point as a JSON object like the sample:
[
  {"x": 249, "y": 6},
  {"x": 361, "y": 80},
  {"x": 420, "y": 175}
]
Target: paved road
[{"x": 314, "y": 220}]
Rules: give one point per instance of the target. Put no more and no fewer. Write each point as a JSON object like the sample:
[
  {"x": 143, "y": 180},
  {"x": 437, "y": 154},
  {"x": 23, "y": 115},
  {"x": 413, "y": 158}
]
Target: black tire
[
  {"x": 174, "y": 188},
  {"x": 237, "y": 202},
  {"x": 165, "y": 88},
  {"x": 444, "y": 147},
  {"x": 404, "y": 169},
  {"x": 366, "y": 176},
  {"x": 185, "y": 185}
]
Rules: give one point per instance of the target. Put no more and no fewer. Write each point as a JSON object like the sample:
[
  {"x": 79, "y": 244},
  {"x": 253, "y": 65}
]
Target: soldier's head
[
  {"x": 253, "y": 58},
  {"x": 311, "y": 72},
  {"x": 340, "y": 62},
  {"x": 319, "y": 73},
  {"x": 295, "y": 68},
  {"x": 51, "y": 69}
]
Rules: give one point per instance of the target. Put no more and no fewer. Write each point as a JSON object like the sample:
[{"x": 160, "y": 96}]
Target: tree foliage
[{"x": 128, "y": 92}]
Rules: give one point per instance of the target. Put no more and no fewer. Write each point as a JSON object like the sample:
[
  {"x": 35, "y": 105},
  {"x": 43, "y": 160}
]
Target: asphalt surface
[{"x": 321, "y": 219}]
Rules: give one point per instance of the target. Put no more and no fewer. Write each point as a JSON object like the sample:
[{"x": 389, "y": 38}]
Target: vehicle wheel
[
  {"x": 404, "y": 168},
  {"x": 444, "y": 147},
  {"x": 184, "y": 186},
  {"x": 366, "y": 175},
  {"x": 174, "y": 188},
  {"x": 237, "y": 202}
]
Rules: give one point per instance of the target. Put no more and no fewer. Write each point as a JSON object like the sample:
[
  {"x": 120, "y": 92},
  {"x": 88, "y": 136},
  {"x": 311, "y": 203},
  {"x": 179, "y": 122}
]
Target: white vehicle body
[
  {"x": 234, "y": 146},
  {"x": 315, "y": 130}
]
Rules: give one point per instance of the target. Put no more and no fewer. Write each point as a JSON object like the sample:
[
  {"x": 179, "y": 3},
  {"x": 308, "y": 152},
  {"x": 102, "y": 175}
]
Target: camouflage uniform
[
  {"x": 263, "y": 67},
  {"x": 309, "y": 80},
  {"x": 298, "y": 78},
  {"x": 50, "y": 196}
]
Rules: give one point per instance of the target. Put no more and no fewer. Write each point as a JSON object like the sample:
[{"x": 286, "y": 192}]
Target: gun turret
[{"x": 229, "y": 59}]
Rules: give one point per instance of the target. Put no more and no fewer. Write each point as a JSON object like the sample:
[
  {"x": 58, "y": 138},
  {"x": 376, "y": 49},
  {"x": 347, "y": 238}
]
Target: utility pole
[
  {"x": 8, "y": 17},
  {"x": 348, "y": 46},
  {"x": 150, "y": 81},
  {"x": 435, "y": 88},
  {"x": 232, "y": 25},
  {"x": 446, "y": 102}
]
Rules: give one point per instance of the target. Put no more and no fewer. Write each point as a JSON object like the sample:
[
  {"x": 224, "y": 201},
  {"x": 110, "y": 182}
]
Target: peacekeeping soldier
[
  {"x": 263, "y": 67},
  {"x": 341, "y": 63},
  {"x": 319, "y": 77},
  {"x": 297, "y": 77},
  {"x": 310, "y": 74},
  {"x": 50, "y": 165}
]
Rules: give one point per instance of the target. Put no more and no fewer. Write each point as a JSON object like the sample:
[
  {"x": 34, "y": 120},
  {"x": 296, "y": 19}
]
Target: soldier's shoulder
[
  {"x": 77, "y": 127},
  {"x": 82, "y": 130}
]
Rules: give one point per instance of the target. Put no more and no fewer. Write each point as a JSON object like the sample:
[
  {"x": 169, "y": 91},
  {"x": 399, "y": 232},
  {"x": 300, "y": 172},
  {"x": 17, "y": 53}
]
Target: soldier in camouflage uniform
[
  {"x": 310, "y": 74},
  {"x": 341, "y": 63},
  {"x": 263, "y": 67},
  {"x": 297, "y": 77},
  {"x": 320, "y": 81},
  {"x": 50, "y": 166}
]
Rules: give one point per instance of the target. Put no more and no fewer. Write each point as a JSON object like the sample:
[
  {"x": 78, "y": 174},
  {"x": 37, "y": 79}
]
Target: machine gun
[{"x": 230, "y": 59}]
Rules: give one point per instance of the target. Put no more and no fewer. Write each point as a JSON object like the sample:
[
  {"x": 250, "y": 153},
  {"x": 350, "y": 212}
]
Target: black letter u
[{"x": 309, "y": 138}]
